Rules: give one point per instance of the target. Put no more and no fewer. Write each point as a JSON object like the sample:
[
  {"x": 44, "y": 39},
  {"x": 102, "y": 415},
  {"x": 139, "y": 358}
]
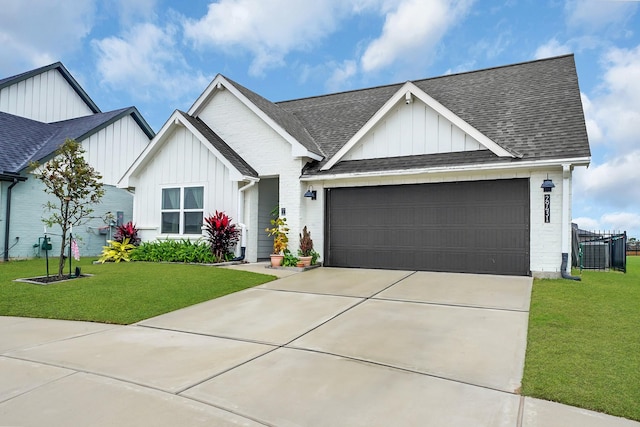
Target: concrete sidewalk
[{"x": 325, "y": 347}]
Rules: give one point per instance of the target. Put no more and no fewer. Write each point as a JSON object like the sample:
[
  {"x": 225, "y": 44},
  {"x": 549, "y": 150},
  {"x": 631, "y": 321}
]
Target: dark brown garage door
[{"x": 465, "y": 227}]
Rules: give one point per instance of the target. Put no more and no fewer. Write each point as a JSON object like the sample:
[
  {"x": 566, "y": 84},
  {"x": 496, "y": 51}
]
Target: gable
[
  {"x": 48, "y": 94},
  {"x": 412, "y": 128},
  {"x": 408, "y": 94},
  {"x": 280, "y": 121},
  {"x": 113, "y": 148},
  {"x": 193, "y": 132}
]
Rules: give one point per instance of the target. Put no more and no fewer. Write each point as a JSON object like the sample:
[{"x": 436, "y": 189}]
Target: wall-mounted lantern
[
  {"x": 547, "y": 185},
  {"x": 310, "y": 193}
]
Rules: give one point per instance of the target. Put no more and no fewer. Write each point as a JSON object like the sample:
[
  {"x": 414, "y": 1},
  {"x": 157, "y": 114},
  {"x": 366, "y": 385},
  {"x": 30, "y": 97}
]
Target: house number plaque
[{"x": 547, "y": 208}]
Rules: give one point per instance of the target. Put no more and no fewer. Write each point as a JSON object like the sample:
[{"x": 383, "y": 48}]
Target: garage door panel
[{"x": 479, "y": 227}]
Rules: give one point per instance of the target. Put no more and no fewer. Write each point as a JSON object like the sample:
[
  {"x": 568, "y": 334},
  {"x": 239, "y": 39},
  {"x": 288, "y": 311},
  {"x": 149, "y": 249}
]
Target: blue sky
[{"x": 160, "y": 55}]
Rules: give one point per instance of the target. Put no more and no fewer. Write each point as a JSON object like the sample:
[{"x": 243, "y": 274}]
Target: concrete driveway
[{"x": 327, "y": 347}]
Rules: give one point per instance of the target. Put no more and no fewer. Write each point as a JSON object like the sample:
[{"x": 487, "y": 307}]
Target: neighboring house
[
  {"x": 441, "y": 174},
  {"x": 39, "y": 109}
]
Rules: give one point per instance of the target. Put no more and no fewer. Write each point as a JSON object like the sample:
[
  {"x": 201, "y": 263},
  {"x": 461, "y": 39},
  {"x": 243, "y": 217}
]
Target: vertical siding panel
[
  {"x": 444, "y": 135},
  {"x": 20, "y": 93},
  {"x": 457, "y": 139},
  {"x": 431, "y": 131},
  {"x": 392, "y": 139},
  {"x": 419, "y": 131},
  {"x": 406, "y": 130}
]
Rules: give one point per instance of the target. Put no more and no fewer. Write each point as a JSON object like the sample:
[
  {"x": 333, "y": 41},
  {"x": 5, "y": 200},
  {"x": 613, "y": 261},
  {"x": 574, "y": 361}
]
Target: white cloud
[
  {"x": 590, "y": 16},
  {"x": 147, "y": 62},
  {"x": 414, "y": 25},
  {"x": 39, "y": 32},
  {"x": 130, "y": 12},
  {"x": 341, "y": 74},
  {"x": 593, "y": 129},
  {"x": 621, "y": 221},
  {"x": 614, "y": 109},
  {"x": 615, "y": 181},
  {"x": 551, "y": 48},
  {"x": 586, "y": 223},
  {"x": 268, "y": 29}
]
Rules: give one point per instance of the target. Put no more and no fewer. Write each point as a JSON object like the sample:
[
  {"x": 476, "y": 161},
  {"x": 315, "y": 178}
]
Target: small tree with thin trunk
[{"x": 75, "y": 185}]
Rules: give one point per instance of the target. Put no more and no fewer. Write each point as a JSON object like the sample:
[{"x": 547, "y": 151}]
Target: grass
[
  {"x": 584, "y": 342},
  {"x": 121, "y": 293}
]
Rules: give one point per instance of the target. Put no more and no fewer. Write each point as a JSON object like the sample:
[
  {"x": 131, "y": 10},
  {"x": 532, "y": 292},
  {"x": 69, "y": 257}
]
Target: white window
[{"x": 182, "y": 210}]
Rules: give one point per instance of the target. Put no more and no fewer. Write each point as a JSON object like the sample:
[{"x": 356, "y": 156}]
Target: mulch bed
[{"x": 44, "y": 280}]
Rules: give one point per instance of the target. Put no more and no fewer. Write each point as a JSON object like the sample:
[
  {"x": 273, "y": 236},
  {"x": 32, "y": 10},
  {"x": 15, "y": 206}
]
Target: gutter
[
  {"x": 14, "y": 181},
  {"x": 579, "y": 161}
]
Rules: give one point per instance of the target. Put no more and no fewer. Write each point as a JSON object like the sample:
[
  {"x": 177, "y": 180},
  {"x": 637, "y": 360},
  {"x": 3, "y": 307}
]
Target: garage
[{"x": 462, "y": 227}]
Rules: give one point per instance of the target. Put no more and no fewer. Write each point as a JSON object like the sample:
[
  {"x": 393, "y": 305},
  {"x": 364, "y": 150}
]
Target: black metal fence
[{"x": 600, "y": 250}]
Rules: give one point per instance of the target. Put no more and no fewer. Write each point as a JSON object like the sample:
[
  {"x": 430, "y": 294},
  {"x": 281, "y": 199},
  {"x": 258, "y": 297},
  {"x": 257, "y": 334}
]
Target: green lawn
[
  {"x": 121, "y": 293},
  {"x": 584, "y": 341}
]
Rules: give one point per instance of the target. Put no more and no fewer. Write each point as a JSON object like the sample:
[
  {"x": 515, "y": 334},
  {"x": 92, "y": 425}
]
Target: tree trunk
[{"x": 62, "y": 248}]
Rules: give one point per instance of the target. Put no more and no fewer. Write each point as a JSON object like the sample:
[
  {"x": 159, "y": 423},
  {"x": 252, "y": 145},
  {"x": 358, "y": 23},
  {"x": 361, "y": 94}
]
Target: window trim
[{"x": 181, "y": 210}]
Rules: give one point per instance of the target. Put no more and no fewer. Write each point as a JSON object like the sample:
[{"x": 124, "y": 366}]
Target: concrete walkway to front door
[{"x": 328, "y": 347}]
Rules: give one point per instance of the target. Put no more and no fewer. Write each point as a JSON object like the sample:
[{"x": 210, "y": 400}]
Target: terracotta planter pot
[
  {"x": 306, "y": 260},
  {"x": 276, "y": 260}
]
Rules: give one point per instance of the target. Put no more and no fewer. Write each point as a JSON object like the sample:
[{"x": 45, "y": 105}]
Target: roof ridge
[{"x": 424, "y": 79}]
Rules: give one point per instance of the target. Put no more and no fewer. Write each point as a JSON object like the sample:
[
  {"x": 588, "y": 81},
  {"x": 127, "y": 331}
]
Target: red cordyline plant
[
  {"x": 125, "y": 231},
  {"x": 221, "y": 234}
]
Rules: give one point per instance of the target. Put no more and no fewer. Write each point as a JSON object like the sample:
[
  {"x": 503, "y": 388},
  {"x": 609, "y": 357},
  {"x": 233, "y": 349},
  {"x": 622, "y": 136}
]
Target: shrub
[
  {"x": 117, "y": 251},
  {"x": 221, "y": 234},
  {"x": 289, "y": 260},
  {"x": 174, "y": 251},
  {"x": 279, "y": 232},
  {"x": 306, "y": 244},
  {"x": 128, "y": 230}
]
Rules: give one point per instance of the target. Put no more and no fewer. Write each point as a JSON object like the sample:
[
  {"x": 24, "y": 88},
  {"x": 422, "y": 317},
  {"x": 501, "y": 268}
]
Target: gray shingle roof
[
  {"x": 532, "y": 108},
  {"x": 8, "y": 81},
  {"x": 23, "y": 140},
  {"x": 234, "y": 158}
]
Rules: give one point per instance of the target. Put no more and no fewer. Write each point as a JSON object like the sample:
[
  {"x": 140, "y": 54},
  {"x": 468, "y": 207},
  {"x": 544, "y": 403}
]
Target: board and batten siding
[
  {"x": 46, "y": 97},
  {"x": 112, "y": 149},
  {"x": 412, "y": 129},
  {"x": 182, "y": 161}
]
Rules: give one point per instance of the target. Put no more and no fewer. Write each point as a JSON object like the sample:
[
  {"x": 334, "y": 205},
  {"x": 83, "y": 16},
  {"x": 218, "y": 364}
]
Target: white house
[
  {"x": 441, "y": 174},
  {"x": 39, "y": 109}
]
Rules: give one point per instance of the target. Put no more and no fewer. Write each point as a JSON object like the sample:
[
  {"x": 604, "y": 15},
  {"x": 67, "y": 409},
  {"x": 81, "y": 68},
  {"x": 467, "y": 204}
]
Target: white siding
[
  {"x": 412, "y": 129},
  {"x": 114, "y": 148},
  {"x": 182, "y": 161},
  {"x": 545, "y": 239},
  {"x": 46, "y": 97}
]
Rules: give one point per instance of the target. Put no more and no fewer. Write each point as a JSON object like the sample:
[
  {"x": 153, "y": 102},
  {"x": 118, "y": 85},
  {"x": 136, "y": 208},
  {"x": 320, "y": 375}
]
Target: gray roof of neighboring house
[
  {"x": 533, "y": 108},
  {"x": 234, "y": 158},
  {"x": 24, "y": 140},
  {"x": 8, "y": 81}
]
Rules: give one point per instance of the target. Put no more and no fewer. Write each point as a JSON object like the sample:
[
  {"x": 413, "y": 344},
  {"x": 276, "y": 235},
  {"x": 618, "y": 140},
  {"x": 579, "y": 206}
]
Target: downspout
[
  {"x": 566, "y": 175},
  {"x": 8, "y": 219},
  {"x": 243, "y": 227}
]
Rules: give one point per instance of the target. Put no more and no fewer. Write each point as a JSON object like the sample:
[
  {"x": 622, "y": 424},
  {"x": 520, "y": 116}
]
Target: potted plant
[
  {"x": 279, "y": 232},
  {"x": 306, "y": 247}
]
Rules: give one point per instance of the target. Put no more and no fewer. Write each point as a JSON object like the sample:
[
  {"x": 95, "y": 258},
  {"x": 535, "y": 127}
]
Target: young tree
[{"x": 75, "y": 185}]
